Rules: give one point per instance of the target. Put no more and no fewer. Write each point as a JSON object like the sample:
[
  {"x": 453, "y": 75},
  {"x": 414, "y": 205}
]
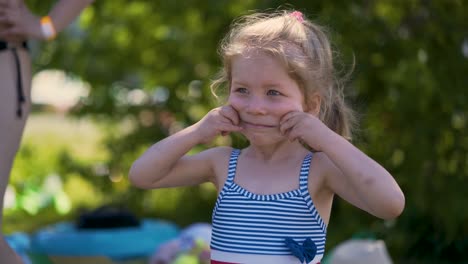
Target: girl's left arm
[
  {"x": 348, "y": 171},
  {"x": 357, "y": 176}
]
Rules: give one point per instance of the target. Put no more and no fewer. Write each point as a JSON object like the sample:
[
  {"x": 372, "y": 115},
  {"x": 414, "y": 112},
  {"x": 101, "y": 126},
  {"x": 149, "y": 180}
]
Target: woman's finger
[
  {"x": 13, "y": 34},
  {"x": 4, "y": 19},
  {"x": 2, "y": 34}
]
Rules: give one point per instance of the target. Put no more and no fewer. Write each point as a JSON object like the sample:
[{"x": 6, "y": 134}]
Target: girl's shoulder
[
  {"x": 321, "y": 159},
  {"x": 219, "y": 158},
  {"x": 321, "y": 168},
  {"x": 218, "y": 153},
  {"x": 322, "y": 165},
  {"x": 325, "y": 170}
]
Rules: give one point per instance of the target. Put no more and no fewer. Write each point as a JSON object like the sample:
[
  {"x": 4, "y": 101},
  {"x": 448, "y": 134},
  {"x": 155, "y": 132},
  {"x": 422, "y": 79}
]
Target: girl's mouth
[{"x": 257, "y": 125}]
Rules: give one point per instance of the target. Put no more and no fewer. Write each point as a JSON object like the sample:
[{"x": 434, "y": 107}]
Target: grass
[
  {"x": 47, "y": 135},
  {"x": 80, "y": 136}
]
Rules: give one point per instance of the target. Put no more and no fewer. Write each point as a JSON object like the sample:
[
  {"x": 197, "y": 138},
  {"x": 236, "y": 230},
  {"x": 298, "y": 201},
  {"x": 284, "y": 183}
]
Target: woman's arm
[
  {"x": 65, "y": 11},
  {"x": 21, "y": 24}
]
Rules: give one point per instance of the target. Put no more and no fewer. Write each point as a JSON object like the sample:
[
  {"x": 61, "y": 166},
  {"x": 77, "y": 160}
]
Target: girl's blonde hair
[{"x": 303, "y": 48}]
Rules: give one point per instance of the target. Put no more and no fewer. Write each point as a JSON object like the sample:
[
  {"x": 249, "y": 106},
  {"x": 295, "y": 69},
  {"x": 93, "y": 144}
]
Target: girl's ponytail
[{"x": 337, "y": 115}]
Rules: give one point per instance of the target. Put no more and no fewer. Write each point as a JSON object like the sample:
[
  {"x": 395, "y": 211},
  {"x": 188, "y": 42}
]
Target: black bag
[{"x": 106, "y": 217}]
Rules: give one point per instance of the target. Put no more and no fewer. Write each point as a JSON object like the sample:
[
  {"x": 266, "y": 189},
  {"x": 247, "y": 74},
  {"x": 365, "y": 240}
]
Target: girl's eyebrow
[
  {"x": 265, "y": 84},
  {"x": 239, "y": 82},
  {"x": 275, "y": 85}
]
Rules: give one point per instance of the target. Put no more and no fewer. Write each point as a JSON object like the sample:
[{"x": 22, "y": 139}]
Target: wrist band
[{"x": 48, "y": 29}]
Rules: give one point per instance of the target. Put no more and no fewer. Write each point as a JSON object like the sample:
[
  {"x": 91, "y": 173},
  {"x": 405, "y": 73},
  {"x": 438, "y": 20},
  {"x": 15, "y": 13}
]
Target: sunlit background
[{"x": 127, "y": 74}]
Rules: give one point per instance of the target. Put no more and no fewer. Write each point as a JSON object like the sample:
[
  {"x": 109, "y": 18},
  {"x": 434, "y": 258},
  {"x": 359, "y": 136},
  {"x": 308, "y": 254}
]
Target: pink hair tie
[{"x": 298, "y": 15}]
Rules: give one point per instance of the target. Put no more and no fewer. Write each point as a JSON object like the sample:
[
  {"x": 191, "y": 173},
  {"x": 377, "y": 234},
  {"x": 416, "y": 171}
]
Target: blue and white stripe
[{"x": 254, "y": 224}]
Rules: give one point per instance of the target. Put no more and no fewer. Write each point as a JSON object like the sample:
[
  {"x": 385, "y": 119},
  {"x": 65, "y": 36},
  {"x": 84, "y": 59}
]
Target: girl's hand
[
  {"x": 306, "y": 127},
  {"x": 219, "y": 121},
  {"x": 18, "y": 23}
]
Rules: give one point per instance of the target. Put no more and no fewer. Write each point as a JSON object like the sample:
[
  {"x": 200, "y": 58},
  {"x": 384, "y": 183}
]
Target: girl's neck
[{"x": 274, "y": 152}]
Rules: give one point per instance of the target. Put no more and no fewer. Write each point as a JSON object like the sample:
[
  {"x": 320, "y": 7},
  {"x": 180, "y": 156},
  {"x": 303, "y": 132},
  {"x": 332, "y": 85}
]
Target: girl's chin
[{"x": 260, "y": 138}]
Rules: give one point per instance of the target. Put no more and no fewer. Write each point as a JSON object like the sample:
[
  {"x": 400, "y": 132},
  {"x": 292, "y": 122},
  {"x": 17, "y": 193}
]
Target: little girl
[{"x": 275, "y": 196}]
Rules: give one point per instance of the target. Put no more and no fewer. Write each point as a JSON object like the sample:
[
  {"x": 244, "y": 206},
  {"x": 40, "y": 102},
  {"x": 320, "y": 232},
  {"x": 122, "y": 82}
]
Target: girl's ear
[{"x": 313, "y": 104}]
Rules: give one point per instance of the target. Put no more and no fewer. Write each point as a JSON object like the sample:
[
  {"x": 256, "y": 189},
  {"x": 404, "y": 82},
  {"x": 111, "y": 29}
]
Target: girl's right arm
[{"x": 165, "y": 164}]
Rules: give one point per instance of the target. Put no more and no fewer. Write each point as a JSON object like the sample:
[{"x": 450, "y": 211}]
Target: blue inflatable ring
[{"x": 63, "y": 239}]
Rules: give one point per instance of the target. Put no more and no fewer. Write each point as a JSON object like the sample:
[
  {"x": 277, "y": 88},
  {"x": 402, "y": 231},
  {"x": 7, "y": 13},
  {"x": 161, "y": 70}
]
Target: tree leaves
[{"x": 409, "y": 85}]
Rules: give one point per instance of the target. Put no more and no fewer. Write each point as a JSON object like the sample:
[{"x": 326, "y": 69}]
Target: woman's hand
[
  {"x": 219, "y": 121},
  {"x": 18, "y": 23},
  {"x": 306, "y": 127}
]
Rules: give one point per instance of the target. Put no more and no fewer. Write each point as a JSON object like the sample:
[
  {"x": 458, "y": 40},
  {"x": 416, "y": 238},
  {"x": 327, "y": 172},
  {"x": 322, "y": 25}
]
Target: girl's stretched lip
[{"x": 249, "y": 124}]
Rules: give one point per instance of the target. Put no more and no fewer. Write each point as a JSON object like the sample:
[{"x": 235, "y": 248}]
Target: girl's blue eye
[
  {"x": 241, "y": 90},
  {"x": 273, "y": 92}
]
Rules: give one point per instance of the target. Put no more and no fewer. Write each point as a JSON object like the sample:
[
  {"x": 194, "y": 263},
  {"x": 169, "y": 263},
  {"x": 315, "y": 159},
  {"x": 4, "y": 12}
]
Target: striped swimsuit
[{"x": 251, "y": 228}]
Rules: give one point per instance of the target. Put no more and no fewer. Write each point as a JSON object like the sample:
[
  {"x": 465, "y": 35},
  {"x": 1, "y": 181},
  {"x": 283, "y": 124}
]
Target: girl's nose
[{"x": 257, "y": 105}]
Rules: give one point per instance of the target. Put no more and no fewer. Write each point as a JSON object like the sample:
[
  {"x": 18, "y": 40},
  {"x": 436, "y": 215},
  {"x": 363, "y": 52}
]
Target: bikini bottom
[{"x": 21, "y": 99}]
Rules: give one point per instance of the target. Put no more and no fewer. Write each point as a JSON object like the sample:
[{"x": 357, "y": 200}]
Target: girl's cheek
[
  {"x": 298, "y": 107},
  {"x": 235, "y": 102},
  {"x": 290, "y": 107}
]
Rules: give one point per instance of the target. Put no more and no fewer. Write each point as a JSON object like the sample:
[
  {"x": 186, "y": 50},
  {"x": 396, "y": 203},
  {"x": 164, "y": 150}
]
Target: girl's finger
[
  {"x": 292, "y": 135},
  {"x": 225, "y": 130},
  {"x": 226, "y": 122},
  {"x": 288, "y": 116},
  {"x": 231, "y": 128},
  {"x": 230, "y": 113},
  {"x": 284, "y": 127},
  {"x": 287, "y": 124}
]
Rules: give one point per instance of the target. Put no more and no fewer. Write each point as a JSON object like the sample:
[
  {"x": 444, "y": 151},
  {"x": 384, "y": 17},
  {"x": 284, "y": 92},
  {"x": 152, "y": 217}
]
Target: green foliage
[{"x": 409, "y": 85}]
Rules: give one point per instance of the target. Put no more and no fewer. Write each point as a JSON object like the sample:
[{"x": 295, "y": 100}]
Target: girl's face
[{"x": 262, "y": 92}]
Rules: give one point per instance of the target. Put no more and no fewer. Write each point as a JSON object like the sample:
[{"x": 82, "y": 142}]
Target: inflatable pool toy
[{"x": 66, "y": 239}]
